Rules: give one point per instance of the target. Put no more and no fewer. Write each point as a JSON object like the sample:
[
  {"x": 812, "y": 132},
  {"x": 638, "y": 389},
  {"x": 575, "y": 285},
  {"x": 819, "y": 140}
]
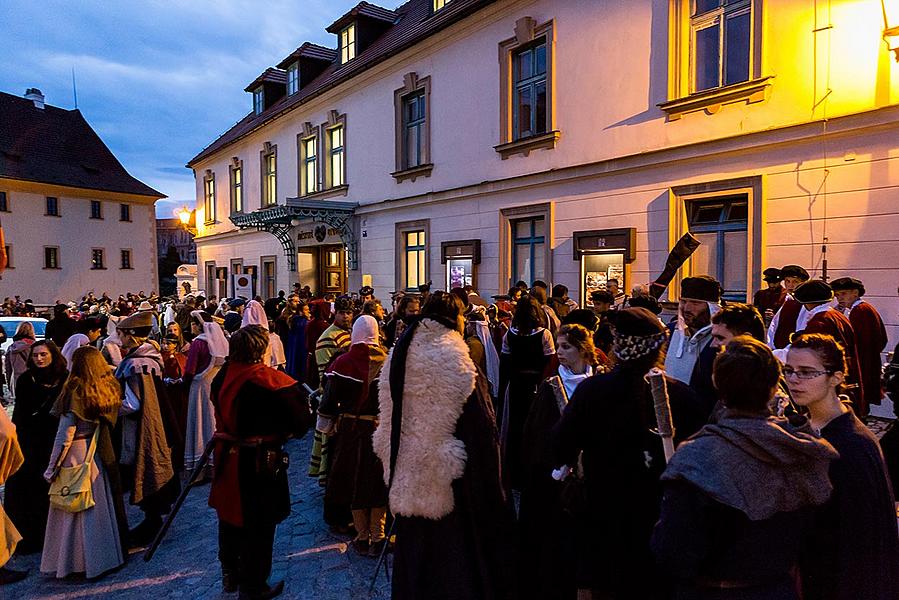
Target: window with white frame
[
  {"x": 237, "y": 187},
  {"x": 720, "y": 43},
  {"x": 258, "y": 100},
  {"x": 308, "y": 165},
  {"x": 347, "y": 43},
  {"x": 438, "y": 4},
  {"x": 336, "y": 156},
  {"x": 293, "y": 78},
  {"x": 270, "y": 177},
  {"x": 209, "y": 197}
]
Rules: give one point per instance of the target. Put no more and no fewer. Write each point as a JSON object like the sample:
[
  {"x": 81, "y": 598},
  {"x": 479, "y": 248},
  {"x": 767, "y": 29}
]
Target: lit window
[
  {"x": 720, "y": 42},
  {"x": 209, "y": 197},
  {"x": 96, "y": 210},
  {"x": 126, "y": 259},
  {"x": 529, "y": 91},
  {"x": 124, "y": 212},
  {"x": 97, "y": 258},
  {"x": 258, "y": 100},
  {"x": 309, "y": 168},
  {"x": 237, "y": 188},
  {"x": 269, "y": 179},
  {"x": 528, "y": 249},
  {"x": 336, "y": 150},
  {"x": 438, "y": 4},
  {"x": 415, "y": 260},
  {"x": 52, "y": 206},
  {"x": 721, "y": 225},
  {"x": 414, "y": 130},
  {"x": 293, "y": 78},
  {"x": 51, "y": 257},
  {"x": 348, "y": 43}
]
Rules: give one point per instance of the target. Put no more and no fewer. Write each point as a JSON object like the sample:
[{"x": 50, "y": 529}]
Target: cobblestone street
[{"x": 313, "y": 562}]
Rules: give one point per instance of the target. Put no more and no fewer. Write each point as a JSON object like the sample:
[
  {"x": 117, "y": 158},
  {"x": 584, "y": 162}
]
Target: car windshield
[{"x": 40, "y": 327}]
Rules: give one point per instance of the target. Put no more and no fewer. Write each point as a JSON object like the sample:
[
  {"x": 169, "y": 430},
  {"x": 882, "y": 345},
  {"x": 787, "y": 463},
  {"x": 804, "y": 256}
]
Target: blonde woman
[{"x": 89, "y": 541}]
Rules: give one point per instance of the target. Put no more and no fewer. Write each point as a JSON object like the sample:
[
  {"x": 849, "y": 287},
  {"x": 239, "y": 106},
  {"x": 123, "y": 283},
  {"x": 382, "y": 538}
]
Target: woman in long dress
[
  {"x": 17, "y": 354},
  {"x": 207, "y": 355},
  {"x": 26, "y": 491},
  {"x": 89, "y": 541}
]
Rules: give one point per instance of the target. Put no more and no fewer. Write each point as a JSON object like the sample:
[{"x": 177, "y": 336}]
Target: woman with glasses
[{"x": 856, "y": 543}]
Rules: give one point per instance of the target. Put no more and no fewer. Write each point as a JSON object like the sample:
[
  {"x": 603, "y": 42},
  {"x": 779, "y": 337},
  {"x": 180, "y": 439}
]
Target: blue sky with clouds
[{"x": 157, "y": 79}]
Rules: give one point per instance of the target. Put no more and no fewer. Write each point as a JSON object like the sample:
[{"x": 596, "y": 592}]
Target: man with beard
[
  {"x": 870, "y": 334},
  {"x": 770, "y": 299},
  {"x": 690, "y": 354},
  {"x": 149, "y": 429},
  {"x": 790, "y": 318}
]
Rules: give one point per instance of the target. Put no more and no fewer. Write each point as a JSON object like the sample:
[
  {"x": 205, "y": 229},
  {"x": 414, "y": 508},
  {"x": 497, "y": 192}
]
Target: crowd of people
[{"x": 523, "y": 447}]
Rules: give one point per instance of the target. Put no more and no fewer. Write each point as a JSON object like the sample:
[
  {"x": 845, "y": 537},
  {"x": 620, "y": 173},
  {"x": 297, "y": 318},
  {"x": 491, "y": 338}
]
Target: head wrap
[
  {"x": 212, "y": 335},
  {"x": 254, "y": 314},
  {"x": 365, "y": 331},
  {"x": 638, "y": 333}
]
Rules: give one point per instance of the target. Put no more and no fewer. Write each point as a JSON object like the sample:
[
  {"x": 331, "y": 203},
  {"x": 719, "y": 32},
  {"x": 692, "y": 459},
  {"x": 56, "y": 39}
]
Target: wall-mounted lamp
[{"x": 891, "y": 25}]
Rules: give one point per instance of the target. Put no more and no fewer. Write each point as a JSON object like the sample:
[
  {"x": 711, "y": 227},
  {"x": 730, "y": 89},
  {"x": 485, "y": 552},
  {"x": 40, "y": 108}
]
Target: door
[
  {"x": 307, "y": 268},
  {"x": 333, "y": 269}
]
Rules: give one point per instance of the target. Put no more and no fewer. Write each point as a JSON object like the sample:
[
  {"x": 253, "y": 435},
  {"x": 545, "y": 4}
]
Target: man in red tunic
[
  {"x": 770, "y": 299},
  {"x": 870, "y": 334},
  {"x": 817, "y": 298},
  {"x": 790, "y": 318}
]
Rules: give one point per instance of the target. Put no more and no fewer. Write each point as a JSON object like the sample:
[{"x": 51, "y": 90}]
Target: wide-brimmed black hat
[
  {"x": 794, "y": 271},
  {"x": 848, "y": 283},
  {"x": 701, "y": 287},
  {"x": 813, "y": 292},
  {"x": 772, "y": 275}
]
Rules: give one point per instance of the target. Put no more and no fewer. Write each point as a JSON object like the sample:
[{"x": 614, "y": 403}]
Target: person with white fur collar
[
  {"x": 690, "y": 355},
  {"x": 437, "y": 441}
]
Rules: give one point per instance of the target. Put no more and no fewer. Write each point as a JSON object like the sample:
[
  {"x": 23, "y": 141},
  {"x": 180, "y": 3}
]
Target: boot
[
  {"x": 145, "y": 532},
  {"x": 269, "y": 591},
  {"x": 230, "y": 580}
]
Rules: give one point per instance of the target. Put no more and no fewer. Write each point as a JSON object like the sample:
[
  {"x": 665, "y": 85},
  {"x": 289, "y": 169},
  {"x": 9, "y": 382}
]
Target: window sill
[
  {"x": 125, "y": 221},
  {"x": 756, "y": 90},
  {"x": 526, "y": 145},
  {"x": 98, "y": 269},
  {"x": 126, "y": 268},
  {"x": 97, "y": 219},
  {"x": 413, "y": 173},
  {"x": 52, "y": 268},
  {"x": 212, "y": 222},
  {"x": 50, "y": 215},
  {"x": 339, "y": 190}
]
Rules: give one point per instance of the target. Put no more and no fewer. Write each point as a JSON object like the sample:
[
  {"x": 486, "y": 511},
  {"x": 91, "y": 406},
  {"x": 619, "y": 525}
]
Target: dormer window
[
  {"x": 293, "y": 78},
  {"x": 347, "y": 43},
  {"x": 438, "y": 4},
  {"x": 258, "y": 100}
]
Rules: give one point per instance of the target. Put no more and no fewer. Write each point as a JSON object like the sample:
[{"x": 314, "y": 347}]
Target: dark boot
[
  {"x": 145, "y": 532},
  {"x": 269, "y": 591},
  {"x": 230, "y": 580}
]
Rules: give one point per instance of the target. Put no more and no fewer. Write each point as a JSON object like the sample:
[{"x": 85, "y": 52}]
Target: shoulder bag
[{"x": 70, "y": 490}]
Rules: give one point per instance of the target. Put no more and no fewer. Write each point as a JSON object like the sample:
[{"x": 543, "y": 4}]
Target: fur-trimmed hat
[
  {"x": 701, "y": 287},
  {"x": 794, "y": 271},
  {"x": 772, "y": 275},
  {"x": 848, "y": 283},
  {"x": 138, "y": 320},
  {"x": 813, "y": 292}
]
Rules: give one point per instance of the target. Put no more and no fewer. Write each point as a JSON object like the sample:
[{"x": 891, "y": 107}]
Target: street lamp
[
  {"x": 891, "y": 25},
  {"x": 188, "y": 219}
]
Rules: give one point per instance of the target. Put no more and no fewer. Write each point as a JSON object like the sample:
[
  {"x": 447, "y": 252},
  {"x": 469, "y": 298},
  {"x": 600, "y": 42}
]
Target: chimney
[{"x": 36, "y": 96}]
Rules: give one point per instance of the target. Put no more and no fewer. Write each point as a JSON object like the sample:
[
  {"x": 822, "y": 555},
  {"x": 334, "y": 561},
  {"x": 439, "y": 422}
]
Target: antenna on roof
[{"x": 74, "y": 89}]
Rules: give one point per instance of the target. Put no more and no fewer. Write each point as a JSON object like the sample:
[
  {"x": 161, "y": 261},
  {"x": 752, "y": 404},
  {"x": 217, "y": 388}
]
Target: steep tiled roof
[
  {"x": 309, "y": 50},
  {"x": 270, "y": 74},
  {"x": 57, "y": 146},
  {"x": 414, "y": 24},
  {"x": 363, "y": 9}
]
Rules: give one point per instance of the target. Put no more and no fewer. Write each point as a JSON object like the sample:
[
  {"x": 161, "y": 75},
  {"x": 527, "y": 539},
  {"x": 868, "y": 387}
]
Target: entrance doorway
[{"x": 323, "y": 268}]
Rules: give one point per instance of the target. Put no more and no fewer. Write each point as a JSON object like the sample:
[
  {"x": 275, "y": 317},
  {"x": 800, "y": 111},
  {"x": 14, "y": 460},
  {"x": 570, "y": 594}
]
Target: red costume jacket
[
  {"x": 786, "y": 324},
  {"x": 871, "y": 339},
  {"x": 833, "y": 322}
]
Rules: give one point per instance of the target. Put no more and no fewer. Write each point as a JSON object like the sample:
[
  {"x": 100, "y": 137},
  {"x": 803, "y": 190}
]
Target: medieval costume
[
  {"x": 855, "y": 548},
  {"x": 523, "y": 364},
  {"x": 356, "y": 477},
  {"x": 333, "y": 341},
  {"x": 149, "y": 430},
  {"x": 16, "y": 358},
  {"x": 296, "y": 349},
  {"x": 207, "y": 355},
  {"x": 26, "y": 492},
  {"x": 772, "y": 297},
  {"x": 792, "y": 316},
  {"x": 610, "y": 420},
  {"x": 438, "y": 443},
  {"x": 321, "y": 312},
  {"x": 177, "y": 390},
  {"x": 257, "y": 409},
  {"x": 870, "y": 338},
  {"x": 738, "y": 505},
  {"x": 10, "y": 461}
]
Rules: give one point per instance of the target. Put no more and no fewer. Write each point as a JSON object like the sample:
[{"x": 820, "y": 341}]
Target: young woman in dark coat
[
  {"x": 740, "y": 495},
  {"x": 526, "y": 352},
  {"x": 249, "y": 486},
  {"x": 610, "y": 419},
  {"x": 548, "y": 565},
  {"x": 26, "y": 492},
  {"x": 855, "y": 550}
]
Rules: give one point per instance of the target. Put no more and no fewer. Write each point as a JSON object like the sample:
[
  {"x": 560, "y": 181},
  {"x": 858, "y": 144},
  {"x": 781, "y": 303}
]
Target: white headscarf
[
  {"x": 483, "y": 331},
  {"x": 254, "y": 314},
  {"x": 113, "y": 343},
  {"x": 74, "y": 342},
  {"x": 212, "y": 335},
  {"x": 365, "y": 331},
  {"x": 169, "y": 314}
]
